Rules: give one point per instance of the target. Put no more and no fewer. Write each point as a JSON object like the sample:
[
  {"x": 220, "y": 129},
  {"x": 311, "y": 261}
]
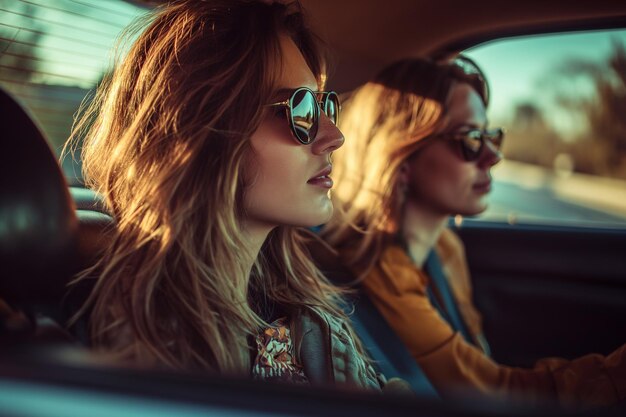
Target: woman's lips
[
  {"x": 323, "y": 181},
  {"x": 483, "y": 187},
  {"x": 322, "y": 178}
]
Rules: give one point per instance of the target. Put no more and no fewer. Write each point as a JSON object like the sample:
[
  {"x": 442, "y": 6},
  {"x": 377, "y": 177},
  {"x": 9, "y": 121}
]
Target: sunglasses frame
[{"x": 321, "y": 106}]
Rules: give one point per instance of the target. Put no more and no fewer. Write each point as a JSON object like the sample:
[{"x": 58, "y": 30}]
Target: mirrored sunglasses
[{"x": 303, "y": 111}]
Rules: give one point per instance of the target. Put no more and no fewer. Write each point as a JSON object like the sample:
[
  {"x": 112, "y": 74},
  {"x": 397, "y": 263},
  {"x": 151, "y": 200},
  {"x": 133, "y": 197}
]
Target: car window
[
  {"x": 53, "y": 52},
  {"x": 561, "y": 99}
]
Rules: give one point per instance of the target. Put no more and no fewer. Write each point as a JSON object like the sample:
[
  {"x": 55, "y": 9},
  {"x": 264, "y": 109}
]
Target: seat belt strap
[
  {"x": 383, "y": 344},
  {"x": 439, "y": 283}
]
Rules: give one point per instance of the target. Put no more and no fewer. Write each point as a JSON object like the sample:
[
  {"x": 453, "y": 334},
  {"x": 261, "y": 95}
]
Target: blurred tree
[
  {"x": 529, "y": 137},
  {"x": 602, "y": 149},
  {"x": 607, "y": 116}
]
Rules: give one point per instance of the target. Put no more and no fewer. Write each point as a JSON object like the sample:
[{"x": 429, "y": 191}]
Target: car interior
[{"x": 569, "y": 281}]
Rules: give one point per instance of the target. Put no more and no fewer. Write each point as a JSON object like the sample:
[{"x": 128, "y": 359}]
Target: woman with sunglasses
[
  {"x": 420, "y": 151},
  {"x": 211, "y": 145}
]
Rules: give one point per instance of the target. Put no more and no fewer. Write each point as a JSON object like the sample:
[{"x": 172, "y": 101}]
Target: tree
[
  {"x": 530, "y": 138},
  {"x": 605, "y": 112}
]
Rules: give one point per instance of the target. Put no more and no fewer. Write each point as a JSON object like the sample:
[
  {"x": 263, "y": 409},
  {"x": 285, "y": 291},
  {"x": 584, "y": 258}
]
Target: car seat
[{"x": 38, "y": 226}]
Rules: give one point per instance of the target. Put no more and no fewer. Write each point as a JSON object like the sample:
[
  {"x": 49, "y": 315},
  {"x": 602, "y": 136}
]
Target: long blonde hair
[
  {"x": 166, "y": 142},
  {"x": 385, "y": 122}
]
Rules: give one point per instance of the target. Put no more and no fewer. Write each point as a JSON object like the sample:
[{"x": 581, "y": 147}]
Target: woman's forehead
[
  {"x": 465, "y": 107},
  {"x": 294, "y": 70}
]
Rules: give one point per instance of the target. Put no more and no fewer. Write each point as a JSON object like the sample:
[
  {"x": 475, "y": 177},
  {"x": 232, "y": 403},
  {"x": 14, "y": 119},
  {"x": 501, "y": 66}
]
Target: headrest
[{"x": 37, "y": 221}]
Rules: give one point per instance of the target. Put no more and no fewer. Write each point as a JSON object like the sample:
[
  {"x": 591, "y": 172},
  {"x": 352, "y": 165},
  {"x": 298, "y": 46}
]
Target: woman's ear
[
  {"x": 402, "y": 181},
  {"x": 402, "y": 188},
  {"x": 403, "y": 175}
]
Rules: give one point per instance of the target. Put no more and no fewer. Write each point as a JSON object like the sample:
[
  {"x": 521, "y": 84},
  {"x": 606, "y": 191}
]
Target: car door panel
[{"x": 548, "y": 290}]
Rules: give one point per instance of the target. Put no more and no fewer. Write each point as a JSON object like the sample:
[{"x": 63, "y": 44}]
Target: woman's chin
[
  {"x": 323, "y": 216},
  {"x": 472, "y": 210}
]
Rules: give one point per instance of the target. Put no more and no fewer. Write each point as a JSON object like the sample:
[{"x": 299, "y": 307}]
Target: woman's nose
[{"x": 329, "y": 138}]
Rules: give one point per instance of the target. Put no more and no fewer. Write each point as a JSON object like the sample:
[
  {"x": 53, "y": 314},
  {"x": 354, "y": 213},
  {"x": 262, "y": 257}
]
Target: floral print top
[{"x": 275, "y": 359}]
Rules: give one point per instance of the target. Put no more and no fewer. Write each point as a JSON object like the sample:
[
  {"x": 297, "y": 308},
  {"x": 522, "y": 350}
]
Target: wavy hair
[
  {"x": 386, "y": 121},
  {"x": 167, "y": 143}
]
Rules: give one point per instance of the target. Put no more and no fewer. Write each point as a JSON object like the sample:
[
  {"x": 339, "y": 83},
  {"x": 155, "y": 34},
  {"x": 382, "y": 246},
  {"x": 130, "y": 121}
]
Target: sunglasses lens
[
  {"x": 472, "y": 144},
  {"x": 304, "y": 115},
  {"x": 495, "y": 136},
  {"x": 331, "y": 107}
]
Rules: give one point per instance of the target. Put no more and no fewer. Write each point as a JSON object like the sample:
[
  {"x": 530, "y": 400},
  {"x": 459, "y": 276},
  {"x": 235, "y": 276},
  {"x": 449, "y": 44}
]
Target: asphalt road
[
  {"x": 549, "y": 199},
  {"x": 510, "y": 201}
]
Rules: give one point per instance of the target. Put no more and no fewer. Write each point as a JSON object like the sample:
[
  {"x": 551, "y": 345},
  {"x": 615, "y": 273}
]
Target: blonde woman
[
  {"x": 211, "y": 145},
  {"x": 420, "y": 150}
]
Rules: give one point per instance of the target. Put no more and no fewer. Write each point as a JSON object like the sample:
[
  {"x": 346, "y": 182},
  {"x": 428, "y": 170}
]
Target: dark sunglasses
[
  {"x": 473, "y": 141},
  {"x": 303, "y": 111}
]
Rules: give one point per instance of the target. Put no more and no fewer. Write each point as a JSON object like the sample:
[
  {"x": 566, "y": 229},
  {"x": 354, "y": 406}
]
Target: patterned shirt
[{"x": 275, "y": 359}]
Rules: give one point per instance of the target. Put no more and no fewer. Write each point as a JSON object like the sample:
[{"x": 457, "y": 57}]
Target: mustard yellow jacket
[{"x": 398, "y": 289}]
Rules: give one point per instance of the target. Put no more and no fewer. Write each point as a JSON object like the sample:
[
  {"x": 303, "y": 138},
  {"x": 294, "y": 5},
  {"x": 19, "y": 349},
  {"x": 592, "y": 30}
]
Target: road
[{"x": 523, "y": 192}]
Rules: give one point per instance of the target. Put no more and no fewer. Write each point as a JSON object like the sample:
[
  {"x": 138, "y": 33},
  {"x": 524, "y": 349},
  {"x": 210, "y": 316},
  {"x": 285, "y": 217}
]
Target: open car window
[
  {"x": 53, "y": 53},
  {"x": 561, "y": 99}
]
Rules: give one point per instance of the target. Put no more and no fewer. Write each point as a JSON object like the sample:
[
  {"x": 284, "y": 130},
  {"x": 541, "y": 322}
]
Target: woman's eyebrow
[{"x": 282, "y": 94}]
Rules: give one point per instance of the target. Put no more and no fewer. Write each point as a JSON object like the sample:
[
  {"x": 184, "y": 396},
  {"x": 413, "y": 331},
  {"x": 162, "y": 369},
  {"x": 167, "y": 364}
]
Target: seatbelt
[
  {"x": 389, "y": 353},
  {"x": 449, "y": 310}
]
